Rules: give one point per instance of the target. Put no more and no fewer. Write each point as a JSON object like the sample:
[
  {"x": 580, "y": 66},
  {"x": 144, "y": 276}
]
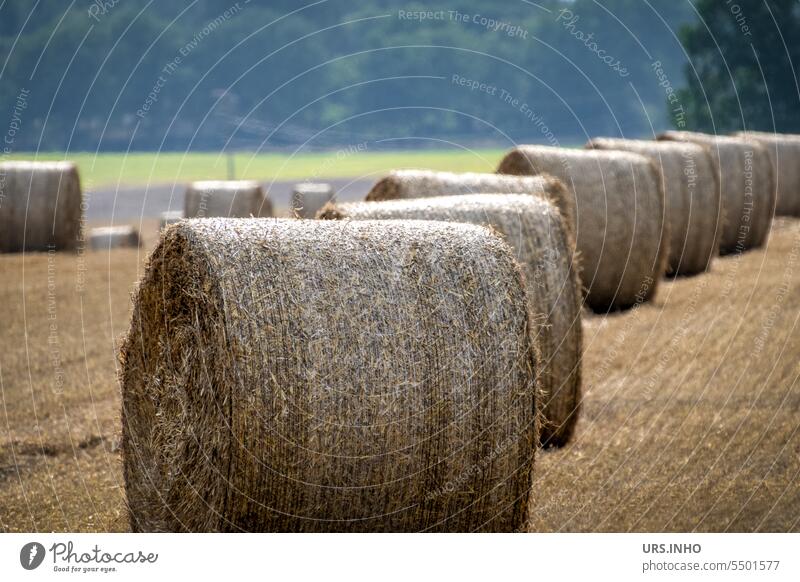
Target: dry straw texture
[
  {"x": 426, "y": 184},
  {"x": 622, "y": 236},
  {"x": 536, "y": 233},
  {"x": 40, "y": 206},
  {"x": 113, "y": 237},
  {"x": 233, "y": 198},
  {"x": 286, "y": 375},
  {"x": 308, "y": 198},
  {"x": 746, "y": 187},
  {"x": 692, "y": 196},
  {"x": 784, "y": 154}
]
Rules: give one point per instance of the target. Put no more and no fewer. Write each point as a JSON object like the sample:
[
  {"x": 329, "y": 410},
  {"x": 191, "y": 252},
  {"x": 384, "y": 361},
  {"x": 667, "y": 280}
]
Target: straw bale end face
[
  {"x": 309, "y": 197},
  {"x": 330, "y": 211},
  {"x": 387, "y": 188},
  {"x": 231, "y": 198},
  {"x": 517, "y": 163},
  {"x": 169, "y": 217},
  {"x": 285, "y": 375},
  {"x": 113, "y": 237},
  {"x": 40, "y": 206}
]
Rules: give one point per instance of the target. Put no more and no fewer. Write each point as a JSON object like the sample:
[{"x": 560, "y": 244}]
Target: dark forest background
[{"x": 280, "y": 74}]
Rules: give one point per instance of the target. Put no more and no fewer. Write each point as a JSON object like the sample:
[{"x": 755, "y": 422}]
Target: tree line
[{"x": 122, "y": 75}]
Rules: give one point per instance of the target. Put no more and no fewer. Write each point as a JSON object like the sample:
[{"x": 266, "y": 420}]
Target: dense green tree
[
  {"x": 742, "y": 72},
  {"x": 286, "y": 74}
]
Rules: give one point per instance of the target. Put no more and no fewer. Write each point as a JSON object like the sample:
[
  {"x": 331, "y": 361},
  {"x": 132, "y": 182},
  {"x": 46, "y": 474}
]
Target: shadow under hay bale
[
  {"x": 784, "y": 155},
  {"x": 287, "y": 375},
  {"x": 404, "y": 184},
  {"x": 40, "y": 206},
  {"x": 308, "y": 198},
  {"x": 746, "y": 187},
  {"x": 232, "y": 199},
  {"x": 534, "y": 229},
  {"x": 692, "y": 196},
  {"x": 622, "y": 234},
  {"x": 114, "y": 237}
]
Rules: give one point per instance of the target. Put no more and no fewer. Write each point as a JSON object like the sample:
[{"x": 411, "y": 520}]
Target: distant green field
[{"x": 164, "y": 168}]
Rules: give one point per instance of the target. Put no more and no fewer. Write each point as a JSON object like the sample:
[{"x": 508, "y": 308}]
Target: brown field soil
[{"x": 690, "y": 419}]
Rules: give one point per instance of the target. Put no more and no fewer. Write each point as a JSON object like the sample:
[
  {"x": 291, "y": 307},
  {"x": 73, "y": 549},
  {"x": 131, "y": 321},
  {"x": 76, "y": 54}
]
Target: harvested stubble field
[{"x": 690, "y": 418}]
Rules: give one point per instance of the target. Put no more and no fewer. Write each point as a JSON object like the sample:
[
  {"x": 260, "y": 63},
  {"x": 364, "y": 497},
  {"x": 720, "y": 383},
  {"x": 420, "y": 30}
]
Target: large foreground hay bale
[
  {"x": 288, "y": 375},
  {"x": 427, "y": 183},
  {"x": 746, "y": 186},
  {"x": 784, "y": 155},
  {"x": 40, "y": 206},
  {"x": 622, "y": 235},
  {"x": 692, "y": 196},
  {"x": 534, "y": 229},
  {"x": 114, "y": 237},
  {"x": 232, "y": 198},
  {"x": 308, "y": 198}
]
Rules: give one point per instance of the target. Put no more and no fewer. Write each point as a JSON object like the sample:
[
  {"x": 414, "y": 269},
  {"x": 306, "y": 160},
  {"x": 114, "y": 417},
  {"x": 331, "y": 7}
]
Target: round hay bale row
[
  {"x": 404, "y": 184},
  {"x": 541, "y": 242},
  {"x": 232, "y": 198},
  {"x": 40, "y": 206},
  {"x": 308, "y": 198},
  {"x": 784, "y": 155},
  {"x": 114, "y": 237},
  {"x": 303, "y": 375},
  {"x": 746, "y": 187},
  {"x": 622, "y": 234},
  {"x": 692, "y": 196},
  {"x": 169, "y": 217}
]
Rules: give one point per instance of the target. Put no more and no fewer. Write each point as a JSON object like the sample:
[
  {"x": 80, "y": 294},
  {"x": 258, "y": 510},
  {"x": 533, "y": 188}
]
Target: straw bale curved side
[
  {"x": 746, "y": 186},
  {"x": 404, "y": 184},
  {"x": 784, "y": 154},
  {"x": 692, "y": 195},
  {"x": 622, "y": 233}
]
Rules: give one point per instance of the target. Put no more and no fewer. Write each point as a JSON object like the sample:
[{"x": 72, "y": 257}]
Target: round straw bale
[
  {"x": 169, "y": 217},
  {"x": 113, "y": 237},
  {"x": 427, "y": 183},
  {"x": 40, "y": 206},
  {"x": 622, "y": 235},
  {"x": 304, "y": 375},
  {"x": 692, "y": 196},
  {"x": 534, "y": 229},
  {"x": 309, "y": 197},
  {"x": 232, "y": 198},
  {"x": 746, "y": 187},
  {"x": 784, "y": 155}
]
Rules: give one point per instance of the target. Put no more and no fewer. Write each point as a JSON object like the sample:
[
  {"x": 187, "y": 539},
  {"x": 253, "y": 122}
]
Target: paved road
[{"x": 134, "y": 203}]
